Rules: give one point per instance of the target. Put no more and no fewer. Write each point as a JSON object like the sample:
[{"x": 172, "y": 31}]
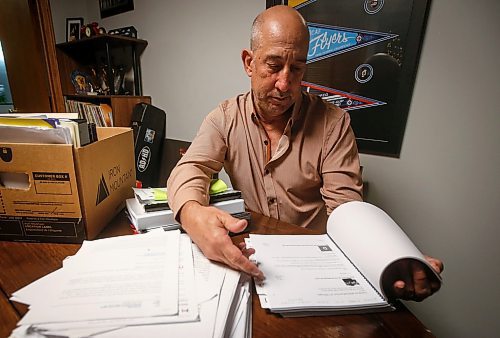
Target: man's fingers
[
  {"x": 435, "y": 263},
  {"x": 422, "y": 287},
  {"x": 405, "y": 273},
  {"x": 246, "y": 251},
  {"x": 237, "y": 260},
  {"x": 208, "y": 227},
  {"x": 403, "y": 285}
]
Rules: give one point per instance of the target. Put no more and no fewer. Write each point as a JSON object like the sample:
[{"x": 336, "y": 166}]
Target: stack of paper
[
  {"x": 30, "y": 128},
  {"x": 151, "y": 285},
  {"x": 342, "y": 269}
]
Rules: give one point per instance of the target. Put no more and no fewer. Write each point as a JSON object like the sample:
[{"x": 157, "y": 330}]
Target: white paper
[
  {"x": 339, "y": 270},
  {"x": 188, "y": 307},
  {"x": 226, "y": 298},
  {"x": 371, "y": 239},
  {"x": 139, "y": 282},
  {"x": 240, "y": 312},
  {"x": 207, "y": 292},
  {"x": 10, "y": 134},
  {"x": 209, "y": 277},
  {"x": 309, "y": 271}
]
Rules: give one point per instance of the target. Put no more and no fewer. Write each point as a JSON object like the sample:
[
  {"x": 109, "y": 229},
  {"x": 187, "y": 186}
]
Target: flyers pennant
[
  {"x": 299, "y": 3},
  {"x": 327, "y": 41},
  {"x": 346, "y": 101}
]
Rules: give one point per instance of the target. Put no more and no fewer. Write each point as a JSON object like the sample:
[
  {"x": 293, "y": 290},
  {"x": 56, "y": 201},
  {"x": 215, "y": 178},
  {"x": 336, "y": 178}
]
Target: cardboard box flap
[{"x": 103, "y": 132}]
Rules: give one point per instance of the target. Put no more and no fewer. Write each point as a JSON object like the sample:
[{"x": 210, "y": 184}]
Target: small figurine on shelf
[
  {"x": 82, "y": 83},
  {"x": 118, "y": 75},
  {"x": 92, "y": 29},
  {"x": 100, "y": 77},
  {"x": 129, "y": 31}
]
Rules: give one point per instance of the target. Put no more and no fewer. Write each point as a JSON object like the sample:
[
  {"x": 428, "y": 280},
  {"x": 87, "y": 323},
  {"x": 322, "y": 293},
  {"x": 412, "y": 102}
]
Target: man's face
[{"x": 277, "y": 67}]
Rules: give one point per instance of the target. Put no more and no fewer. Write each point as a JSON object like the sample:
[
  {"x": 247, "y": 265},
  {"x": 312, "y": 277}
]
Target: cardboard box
[{"x": 58, "y": 193}]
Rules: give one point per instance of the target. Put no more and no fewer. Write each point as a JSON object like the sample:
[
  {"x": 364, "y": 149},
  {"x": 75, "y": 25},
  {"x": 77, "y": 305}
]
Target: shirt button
[
  {"x": 265, "y": 142},
  {"x": 266, "y": 171},
  {"x": 272, "y": 200}
]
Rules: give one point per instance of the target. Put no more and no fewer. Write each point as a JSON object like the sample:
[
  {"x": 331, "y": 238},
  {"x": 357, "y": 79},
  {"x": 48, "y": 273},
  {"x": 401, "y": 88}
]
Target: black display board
[{"x": 363, "y": 56}]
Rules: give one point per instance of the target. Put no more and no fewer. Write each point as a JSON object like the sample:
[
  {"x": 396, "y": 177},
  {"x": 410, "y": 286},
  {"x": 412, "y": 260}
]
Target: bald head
[{"x": 279, "y": 21}]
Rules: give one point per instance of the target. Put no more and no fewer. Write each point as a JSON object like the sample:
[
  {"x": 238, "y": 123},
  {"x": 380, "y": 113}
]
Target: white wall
[
  {"x": 444, "y": 189},
  {"x": 192, "y": 61}
]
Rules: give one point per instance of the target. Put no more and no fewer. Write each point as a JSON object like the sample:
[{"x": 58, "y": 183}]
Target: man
[{"x": 293, "y": 156}]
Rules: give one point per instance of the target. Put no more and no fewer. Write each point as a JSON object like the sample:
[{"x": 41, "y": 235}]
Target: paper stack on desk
[
  {"x": 152, "y": 285},
  {"x": 342, "y": 269}
]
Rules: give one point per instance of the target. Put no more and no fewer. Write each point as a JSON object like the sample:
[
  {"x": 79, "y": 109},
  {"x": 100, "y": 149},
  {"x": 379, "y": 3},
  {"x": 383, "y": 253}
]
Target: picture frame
[
  {"x": 363, "y": 56},
  {"x": 73, "y": 28},
  {"x": 113, "y": 7}
]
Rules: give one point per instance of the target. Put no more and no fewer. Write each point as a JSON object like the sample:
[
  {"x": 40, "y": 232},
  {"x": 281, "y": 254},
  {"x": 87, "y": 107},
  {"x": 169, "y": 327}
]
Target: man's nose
[{"x": 283, "y": 81}]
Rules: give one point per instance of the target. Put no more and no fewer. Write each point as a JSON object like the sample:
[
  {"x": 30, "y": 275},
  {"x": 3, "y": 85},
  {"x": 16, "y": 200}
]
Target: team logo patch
[
  {"x": 363, "y": 73},
  {"x": 373, "y": 6}
]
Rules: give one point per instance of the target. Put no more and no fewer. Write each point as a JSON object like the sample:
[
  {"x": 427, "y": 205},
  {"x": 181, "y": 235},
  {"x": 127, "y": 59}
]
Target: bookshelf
[
  {"x": 102, "y": 57},
  {"x": 121, "y": 105}
]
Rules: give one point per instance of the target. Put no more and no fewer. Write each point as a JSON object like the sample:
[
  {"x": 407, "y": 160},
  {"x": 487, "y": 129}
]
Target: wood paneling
[{"x": 29, "y": 66}]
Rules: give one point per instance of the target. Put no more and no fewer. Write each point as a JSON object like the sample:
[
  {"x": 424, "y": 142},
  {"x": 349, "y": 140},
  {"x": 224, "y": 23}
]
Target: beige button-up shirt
[{"x": 314, "y": 169}]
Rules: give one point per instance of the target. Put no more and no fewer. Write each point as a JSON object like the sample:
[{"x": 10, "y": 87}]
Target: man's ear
[{"x": 247, "y": 58}]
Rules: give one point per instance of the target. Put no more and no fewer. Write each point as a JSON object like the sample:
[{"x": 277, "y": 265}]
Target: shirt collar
[{"x": 298, "y": 108}]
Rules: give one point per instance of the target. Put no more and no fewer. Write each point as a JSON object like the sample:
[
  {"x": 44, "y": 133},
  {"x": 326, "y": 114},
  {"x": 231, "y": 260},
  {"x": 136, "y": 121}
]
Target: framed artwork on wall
[
  {"x": 363, "y": 56},
  {"x": 113, "y": 7},
  {"x": 73, "y": 27}
]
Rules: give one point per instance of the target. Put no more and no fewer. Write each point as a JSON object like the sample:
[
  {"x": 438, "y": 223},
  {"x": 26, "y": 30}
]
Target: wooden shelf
[
  {"x": 121, "y": 105},
  {"x": 108, "y": 52},
  {"x": 82, "y": 46}
]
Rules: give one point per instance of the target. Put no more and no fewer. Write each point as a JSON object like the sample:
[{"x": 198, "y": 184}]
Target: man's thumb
[{"x": 235, "y": 225}]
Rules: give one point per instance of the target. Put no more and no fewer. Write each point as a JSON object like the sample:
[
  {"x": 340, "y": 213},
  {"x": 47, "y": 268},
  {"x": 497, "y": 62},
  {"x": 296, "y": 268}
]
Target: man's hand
[
  {"x": 208, "y": 227},
  {"x": 409, "y": 279}
]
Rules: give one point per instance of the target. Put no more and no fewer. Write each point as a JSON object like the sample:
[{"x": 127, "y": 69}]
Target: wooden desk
[{"x": 23, "y": 263}]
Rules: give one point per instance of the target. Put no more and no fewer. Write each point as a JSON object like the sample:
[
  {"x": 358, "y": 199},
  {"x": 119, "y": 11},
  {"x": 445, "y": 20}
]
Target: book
[
  {"x": 339, "y": 272},
  {"x": 143, "y": 220},
  {"x": 107, "y": 113}
]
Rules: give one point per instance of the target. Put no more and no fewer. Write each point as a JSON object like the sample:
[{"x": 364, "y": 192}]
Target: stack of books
[
  {"x": 149, "y": 208},
  {"x": 99, "y": 114}
]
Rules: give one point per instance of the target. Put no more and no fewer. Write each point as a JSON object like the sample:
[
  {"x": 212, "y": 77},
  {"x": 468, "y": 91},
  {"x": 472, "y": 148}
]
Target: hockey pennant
[{"x": 327, "y": 41}]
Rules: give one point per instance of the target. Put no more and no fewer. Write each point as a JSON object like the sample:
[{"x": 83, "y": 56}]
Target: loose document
[
  {"x": 156, "y": 284},
  {"x": 336, "y": 273}
]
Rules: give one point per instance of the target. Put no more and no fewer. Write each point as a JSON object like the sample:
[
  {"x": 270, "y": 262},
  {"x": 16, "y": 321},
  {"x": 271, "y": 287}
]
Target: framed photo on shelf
[
  {"x": 73, "y": 27},
  {"x": 113, "y": 7}
]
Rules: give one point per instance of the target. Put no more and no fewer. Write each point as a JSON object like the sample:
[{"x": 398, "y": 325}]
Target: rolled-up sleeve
[
  {"x": 190, "y": 179},
  {"x": 340, "y": 168}
]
